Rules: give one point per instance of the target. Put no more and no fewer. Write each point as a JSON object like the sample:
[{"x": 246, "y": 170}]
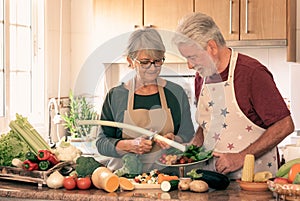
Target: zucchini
[
  {"x": 214, "y": 180},
  {"x": 169, "y": 185}
]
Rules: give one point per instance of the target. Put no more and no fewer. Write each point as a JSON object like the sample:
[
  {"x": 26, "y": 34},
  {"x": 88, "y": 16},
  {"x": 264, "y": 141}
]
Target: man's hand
[{"x": 228, "y": 162}]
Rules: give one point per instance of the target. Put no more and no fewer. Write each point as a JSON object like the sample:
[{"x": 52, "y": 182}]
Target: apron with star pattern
[
  {"x": 158, "y": 119},
  {"x": 225, "y": 127}
]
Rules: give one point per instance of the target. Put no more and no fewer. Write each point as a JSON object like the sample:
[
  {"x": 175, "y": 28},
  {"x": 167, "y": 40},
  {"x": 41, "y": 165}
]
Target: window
[
  {"x": 2, "y": 96},
  {"x": 21, "y": 60}
]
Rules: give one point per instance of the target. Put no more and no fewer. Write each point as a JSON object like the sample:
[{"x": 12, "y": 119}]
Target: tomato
[
  {"x": 69, "y": 183},
  {"x": 182, "y": 161},
  {"x": 281, "y": 180},
  {"x": 84, "y": 183},
  {"x": 295, "y": 169}
]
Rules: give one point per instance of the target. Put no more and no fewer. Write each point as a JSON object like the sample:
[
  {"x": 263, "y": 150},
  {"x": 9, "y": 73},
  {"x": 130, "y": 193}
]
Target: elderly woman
[{"x": 146, "y": 101}]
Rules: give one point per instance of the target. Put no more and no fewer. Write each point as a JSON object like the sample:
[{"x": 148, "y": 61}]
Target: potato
[
  {"x": 198, "y": 186},
  {"x": 184, "y": 184}
]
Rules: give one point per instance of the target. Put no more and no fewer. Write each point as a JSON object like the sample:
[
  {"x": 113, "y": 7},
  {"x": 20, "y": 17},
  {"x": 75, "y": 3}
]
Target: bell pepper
[
  {"x": 44, "y": 165},
  {"x": 46, "y": 155},
  {"x": 29, "y": 165},
  {"x": 31, "y": 156},
  {"x": 294, "y": 170}
]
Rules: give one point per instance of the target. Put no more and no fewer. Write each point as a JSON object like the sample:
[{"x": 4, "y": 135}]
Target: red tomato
[
  {"x": 69, "y": 183},
  {"x": 281, "y": 180},
  {"x": 295, "y": 169},
  {"x": 84, "y": 183}
]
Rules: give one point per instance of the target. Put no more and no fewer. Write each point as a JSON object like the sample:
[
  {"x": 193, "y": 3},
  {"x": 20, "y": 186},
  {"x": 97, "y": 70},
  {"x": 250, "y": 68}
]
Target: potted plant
[{"x": 80, "y": 109}]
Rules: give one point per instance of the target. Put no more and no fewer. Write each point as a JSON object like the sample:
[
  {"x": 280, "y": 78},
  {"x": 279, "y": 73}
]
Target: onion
[{"x": 55, "y": 180}]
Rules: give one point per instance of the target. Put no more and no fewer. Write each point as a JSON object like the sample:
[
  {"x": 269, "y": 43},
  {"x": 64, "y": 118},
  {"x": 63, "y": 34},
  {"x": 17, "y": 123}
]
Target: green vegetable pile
[
  {"x": 85, "y": 166},
  {"x": 11, "y": 146},
  {"x": 193, "y": 153},
  {"x": 197, "y": 153},
  {"x": 131, "y": 166}
]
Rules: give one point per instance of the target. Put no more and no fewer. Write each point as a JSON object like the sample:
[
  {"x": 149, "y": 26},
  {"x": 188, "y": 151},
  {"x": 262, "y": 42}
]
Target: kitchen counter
[{"x": 13, "y": 190}]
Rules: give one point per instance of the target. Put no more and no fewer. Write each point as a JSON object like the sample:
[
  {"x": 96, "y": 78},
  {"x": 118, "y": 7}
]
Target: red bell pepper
[
  {"x": 46, "y": 155},
  {"x": 28, "y": 165}
]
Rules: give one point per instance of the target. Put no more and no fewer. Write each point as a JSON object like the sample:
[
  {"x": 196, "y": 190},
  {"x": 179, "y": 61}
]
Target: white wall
[
  {"x": 298, "y": 31},
  {"x": 52, "y": 47}
]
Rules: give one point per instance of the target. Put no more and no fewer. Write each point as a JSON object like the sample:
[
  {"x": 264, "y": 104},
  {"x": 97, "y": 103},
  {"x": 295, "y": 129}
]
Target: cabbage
[{"x": 11, "y": 146}]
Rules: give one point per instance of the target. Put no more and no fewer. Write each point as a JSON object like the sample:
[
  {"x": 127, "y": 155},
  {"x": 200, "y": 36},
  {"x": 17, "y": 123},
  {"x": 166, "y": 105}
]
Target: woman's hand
[
  {"x": 141, "y": 145},
  {"x": 163, "y": 144}
]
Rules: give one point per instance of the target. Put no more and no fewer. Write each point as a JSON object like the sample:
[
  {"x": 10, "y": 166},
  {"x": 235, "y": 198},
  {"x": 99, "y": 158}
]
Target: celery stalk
[
  {"x": 29, "y": 135},
  {"x": 24, "y": 136},
  {"x": 31, "y": 131}
]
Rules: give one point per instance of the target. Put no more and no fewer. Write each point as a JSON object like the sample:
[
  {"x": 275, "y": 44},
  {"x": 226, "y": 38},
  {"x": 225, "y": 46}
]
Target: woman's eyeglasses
[{"x": 147, "y": 63}]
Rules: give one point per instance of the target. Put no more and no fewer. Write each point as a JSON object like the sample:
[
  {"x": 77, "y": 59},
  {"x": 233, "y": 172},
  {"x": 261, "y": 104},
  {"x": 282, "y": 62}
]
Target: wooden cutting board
[{"x": 145, "y": 186}]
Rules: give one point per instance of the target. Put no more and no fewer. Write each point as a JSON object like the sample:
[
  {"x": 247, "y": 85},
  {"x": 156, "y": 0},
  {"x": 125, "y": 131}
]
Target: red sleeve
[
  {"x": 198, "y": 85},
  {"x": 266, "y": 98}
]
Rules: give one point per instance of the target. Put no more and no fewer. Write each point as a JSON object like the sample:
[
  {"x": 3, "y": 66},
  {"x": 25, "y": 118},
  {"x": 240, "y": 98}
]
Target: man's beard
[{"x": 205, "y": 71}]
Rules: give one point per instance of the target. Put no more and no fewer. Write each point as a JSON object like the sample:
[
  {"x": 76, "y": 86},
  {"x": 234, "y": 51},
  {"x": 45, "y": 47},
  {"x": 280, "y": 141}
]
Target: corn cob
[
  {"x": 262, "y": 176},
  {"x": 248, "y": 168}
]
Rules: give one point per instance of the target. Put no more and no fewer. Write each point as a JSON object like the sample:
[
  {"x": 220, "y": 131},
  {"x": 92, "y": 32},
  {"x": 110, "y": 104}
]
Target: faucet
[{"x": 56, "y": 120}]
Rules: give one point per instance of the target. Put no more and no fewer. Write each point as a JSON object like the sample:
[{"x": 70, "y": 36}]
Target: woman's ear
[{"x": 130, "y": 62}]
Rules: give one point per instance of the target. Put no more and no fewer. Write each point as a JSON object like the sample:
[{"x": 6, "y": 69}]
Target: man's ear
[
  {"x": 130, "y": 63},
  {"x": 212, "y": 47}
]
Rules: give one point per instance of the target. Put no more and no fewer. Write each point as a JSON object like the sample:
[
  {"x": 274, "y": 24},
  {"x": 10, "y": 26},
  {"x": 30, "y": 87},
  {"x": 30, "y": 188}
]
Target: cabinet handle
[
  {"x": 230, "y": 16},
  {"x": 246, "y": 16},
  {"x": 146, "y": 26},
  {"x": 149, "y": 26}
]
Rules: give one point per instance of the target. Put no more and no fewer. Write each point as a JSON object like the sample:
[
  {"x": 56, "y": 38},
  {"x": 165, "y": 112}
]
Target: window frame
[{"x": 37, "y": 100}]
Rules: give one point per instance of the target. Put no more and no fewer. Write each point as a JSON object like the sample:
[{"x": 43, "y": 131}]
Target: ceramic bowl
[{"x": 253, "y": 186}]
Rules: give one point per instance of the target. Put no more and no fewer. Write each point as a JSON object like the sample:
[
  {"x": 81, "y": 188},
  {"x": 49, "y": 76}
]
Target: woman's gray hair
[
  {"x": 147, "y": 39},
  {"x": 200, "y": 28}
]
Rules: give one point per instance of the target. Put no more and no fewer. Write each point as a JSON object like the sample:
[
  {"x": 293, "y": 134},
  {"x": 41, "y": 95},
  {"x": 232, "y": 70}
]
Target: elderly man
[{"x": 240, "y": 110}]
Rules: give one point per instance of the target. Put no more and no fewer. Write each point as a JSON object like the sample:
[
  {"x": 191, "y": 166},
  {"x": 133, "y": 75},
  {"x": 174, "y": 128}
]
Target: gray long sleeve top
[{"x": 116, "y": 103}]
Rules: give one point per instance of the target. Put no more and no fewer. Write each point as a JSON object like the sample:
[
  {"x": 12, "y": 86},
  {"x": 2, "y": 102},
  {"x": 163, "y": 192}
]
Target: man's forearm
[
  {"x": 270, "y": 138},
  {"x": 198, "y": 137}
]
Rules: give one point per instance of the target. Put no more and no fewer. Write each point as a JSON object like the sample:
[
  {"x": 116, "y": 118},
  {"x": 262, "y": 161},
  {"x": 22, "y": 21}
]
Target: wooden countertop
[{"x": 11, "y": 190}]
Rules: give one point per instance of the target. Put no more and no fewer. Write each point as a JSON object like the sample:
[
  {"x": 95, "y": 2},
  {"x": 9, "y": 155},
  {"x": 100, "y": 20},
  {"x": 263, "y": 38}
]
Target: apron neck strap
[
  {"x": 233, "y": 59},
  {"x": 161, "y": 93}
]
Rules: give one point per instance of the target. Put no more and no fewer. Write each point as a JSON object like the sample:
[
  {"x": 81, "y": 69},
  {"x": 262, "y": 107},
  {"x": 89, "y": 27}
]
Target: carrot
[{"x": 162, "y": 177}]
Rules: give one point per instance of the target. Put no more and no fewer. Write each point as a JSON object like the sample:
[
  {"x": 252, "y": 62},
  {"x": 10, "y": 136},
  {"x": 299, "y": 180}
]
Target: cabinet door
[
  {"x": 114, "y": 17},
  {"x": 225, "y": 13},
  {"x": 165, "y": 14},
  {"x": 263, "y": 19}
]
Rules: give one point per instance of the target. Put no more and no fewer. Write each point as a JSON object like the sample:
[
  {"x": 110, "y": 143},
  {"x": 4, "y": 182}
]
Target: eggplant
[
  {"x": 214, "y": 180},
  {"x": 66, "y": 170}
]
